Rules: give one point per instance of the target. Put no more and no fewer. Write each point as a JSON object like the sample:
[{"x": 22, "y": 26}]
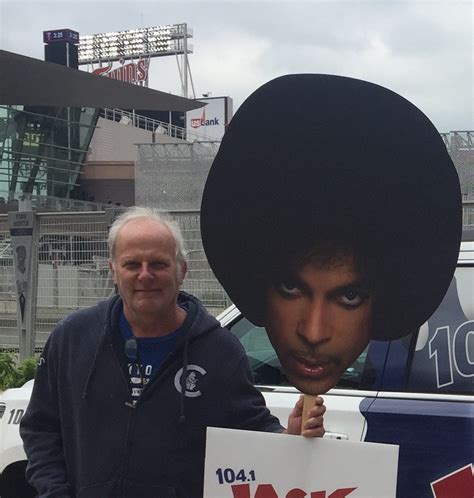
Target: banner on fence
[
  {"x": 247, "y": 464},
  {"x": 21, "y": 232}
]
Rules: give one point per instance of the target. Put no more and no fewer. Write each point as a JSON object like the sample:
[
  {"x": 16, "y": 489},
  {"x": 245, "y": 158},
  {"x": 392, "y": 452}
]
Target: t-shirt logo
[{"x": 194, "y": 374}]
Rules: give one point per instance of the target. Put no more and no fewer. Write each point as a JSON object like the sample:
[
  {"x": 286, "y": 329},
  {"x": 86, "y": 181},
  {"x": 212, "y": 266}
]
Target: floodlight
[{"x": 145, "y": 42}]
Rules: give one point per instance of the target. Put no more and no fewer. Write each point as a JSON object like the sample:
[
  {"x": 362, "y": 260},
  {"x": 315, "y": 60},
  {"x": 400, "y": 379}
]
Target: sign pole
[
  {"x": 23, "y": 233},
  {"x": 185, "y": 60},
  {"x": 308, "y": 402}
]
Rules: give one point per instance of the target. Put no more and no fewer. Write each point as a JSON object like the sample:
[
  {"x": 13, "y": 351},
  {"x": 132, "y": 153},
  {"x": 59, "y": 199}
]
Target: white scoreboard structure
[
  {"x": 132, "y": 50},
  {"x": 210, "y": 121}
]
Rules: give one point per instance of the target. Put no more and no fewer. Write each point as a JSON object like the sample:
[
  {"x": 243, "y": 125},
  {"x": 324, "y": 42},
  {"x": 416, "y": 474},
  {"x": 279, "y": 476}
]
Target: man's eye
[
  {"x": 158, "y": 265},
  {"x": 352, "y": 298},
  {"x": 289, "y": 288},
  {"x": 131, "y": 265}
]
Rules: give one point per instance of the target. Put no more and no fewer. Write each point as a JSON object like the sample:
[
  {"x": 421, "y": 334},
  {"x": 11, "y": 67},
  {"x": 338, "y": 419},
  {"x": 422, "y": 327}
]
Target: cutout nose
[{"x": 313, "y": 326}]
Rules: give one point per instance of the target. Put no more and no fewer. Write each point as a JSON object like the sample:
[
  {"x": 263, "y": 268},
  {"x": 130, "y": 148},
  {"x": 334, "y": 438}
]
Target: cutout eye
[
  {"x": 353, "y": 298},
  {"x": 288, "y": 288}
]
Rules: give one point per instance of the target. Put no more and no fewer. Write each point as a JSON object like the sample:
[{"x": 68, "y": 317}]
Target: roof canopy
[{"x": 28, "y": 81}]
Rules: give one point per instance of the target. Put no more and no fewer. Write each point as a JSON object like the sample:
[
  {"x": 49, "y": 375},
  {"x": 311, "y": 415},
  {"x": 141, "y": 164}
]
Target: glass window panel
[{"x": 266, "y": 366}]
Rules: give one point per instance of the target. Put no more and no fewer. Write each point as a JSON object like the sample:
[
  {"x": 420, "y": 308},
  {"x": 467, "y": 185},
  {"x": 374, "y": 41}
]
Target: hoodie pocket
[
  {"x": 130, "y": 489},
  {"x": 133, "y": 489},
  {"x": 100, "y": 490}
]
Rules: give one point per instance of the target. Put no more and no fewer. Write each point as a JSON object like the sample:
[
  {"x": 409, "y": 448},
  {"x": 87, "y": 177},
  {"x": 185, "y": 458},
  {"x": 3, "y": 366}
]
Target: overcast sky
[{"x": 418, "y": 48}]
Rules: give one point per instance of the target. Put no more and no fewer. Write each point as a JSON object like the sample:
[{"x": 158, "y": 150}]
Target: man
[
  {"x": 125, "y": 390},
  {"x": 349, "y": 225}
]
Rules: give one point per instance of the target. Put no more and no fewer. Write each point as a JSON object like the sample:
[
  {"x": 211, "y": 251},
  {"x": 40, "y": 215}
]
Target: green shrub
[
  {"x": 13, "y": 374},
  {"x": 26, "y": 370},
  {"x": 8, "y": 372}
]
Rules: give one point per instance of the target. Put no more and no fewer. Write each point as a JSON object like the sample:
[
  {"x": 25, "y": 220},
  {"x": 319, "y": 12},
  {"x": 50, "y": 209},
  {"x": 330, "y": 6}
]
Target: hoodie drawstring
[
  {"x": 182, "y": 416},
  {"x": 101, "y": 344}
]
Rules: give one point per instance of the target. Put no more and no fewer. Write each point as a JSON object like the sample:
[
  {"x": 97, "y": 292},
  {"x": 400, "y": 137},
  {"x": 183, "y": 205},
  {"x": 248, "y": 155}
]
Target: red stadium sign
[{"x": 135, "y": 73}]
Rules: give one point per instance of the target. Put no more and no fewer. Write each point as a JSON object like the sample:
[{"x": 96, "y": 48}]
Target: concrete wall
[
  {"x": 110, "y": 182},
  {"x": 110, "y": 191},
  {"x": 109, "y": 173},
  {"x": 113, "y": 141}
]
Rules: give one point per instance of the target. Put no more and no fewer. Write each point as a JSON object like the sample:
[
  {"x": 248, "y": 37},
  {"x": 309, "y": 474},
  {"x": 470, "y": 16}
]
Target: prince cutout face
[{"x": 318, "y": 319}]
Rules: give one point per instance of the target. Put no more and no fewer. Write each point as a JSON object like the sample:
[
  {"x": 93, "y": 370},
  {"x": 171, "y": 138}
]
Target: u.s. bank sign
[{"x": 211, "y": 120}]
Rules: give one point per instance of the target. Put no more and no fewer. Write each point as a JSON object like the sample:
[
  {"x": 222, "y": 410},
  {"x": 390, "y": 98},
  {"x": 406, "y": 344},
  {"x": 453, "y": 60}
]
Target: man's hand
[{"x": 314, "y": 426}]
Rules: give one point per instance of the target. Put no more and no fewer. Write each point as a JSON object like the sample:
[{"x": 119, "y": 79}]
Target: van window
[{"x": 266, "y": 366}]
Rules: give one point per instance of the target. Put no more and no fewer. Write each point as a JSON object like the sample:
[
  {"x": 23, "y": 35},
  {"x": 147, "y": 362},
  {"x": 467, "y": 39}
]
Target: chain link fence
[
  {"x": 460, "y": 145},
  {"x": 72, "y": 266},
  {"x": 71, "y": 270},
  {"x": 172, "y": 176},
  {"x": 468, "y": 215},
  {"x": 200, "y": 280}
]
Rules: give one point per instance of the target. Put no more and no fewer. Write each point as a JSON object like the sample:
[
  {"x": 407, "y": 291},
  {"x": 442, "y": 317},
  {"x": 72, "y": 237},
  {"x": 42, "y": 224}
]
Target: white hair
[{"x": 136, "y": 212}]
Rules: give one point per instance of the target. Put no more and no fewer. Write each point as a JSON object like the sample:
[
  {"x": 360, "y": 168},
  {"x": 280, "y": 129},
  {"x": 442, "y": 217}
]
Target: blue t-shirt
[{"x": 147, "y": 357}]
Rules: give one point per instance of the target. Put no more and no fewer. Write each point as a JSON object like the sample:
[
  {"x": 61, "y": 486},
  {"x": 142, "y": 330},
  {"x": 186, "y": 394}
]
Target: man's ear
[
  {"x": 112, "y": 270},
  {"x": 184, "y": 269}
]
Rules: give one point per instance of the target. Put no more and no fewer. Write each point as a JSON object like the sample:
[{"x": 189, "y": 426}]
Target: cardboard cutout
[
  {"x": 315, "y": 163},
  {"x": 331, "y": 215}
]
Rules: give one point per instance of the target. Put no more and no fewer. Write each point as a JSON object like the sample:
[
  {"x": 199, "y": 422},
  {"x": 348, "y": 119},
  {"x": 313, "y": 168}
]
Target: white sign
[
  {"x": 246, "y": 464},
  {"x": 21, "y": 232},
  {"x": 211, "y": 120}
]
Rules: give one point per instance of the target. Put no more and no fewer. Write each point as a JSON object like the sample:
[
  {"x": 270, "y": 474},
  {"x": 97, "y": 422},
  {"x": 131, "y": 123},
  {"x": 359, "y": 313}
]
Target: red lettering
[
  {"x": 131, "y": 73},
  {"x": 459, "y": 484},
  {"x": 265, "y": 491},
  {"x": 241, "y": 490},
  {"x": 296, "y": 493},
  {"x": 102, "y": 70},
  {"x": 126, "y": 74},
  {"x": 268, "y": 491},
  {"x": 142, "y": 70},
  {"x": 114, "y": 74},
  {"x": 341, "y": 493}
]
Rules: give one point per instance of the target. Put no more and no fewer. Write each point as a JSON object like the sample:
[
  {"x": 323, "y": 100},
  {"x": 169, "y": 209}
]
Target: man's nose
[
  {"x": 314, "y": 324},
  {"x": 145, "y": 272}
]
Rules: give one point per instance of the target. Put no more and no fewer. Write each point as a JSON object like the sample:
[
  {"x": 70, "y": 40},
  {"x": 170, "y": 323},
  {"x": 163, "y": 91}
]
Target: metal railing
[
  {"x": 153, "y": 125},
  {"x": 468, "y": 215},
  {"x": 41, "y": 203}
]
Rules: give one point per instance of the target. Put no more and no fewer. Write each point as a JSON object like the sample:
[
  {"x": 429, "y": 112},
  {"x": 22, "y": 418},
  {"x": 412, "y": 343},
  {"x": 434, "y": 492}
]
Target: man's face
[
  {"x": 319, "y": 321},
  {"x": 145, "y": 270}
]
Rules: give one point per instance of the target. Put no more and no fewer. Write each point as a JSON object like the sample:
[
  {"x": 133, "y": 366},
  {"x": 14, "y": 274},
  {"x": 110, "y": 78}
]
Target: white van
[{"x": 416, "y": 392}]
